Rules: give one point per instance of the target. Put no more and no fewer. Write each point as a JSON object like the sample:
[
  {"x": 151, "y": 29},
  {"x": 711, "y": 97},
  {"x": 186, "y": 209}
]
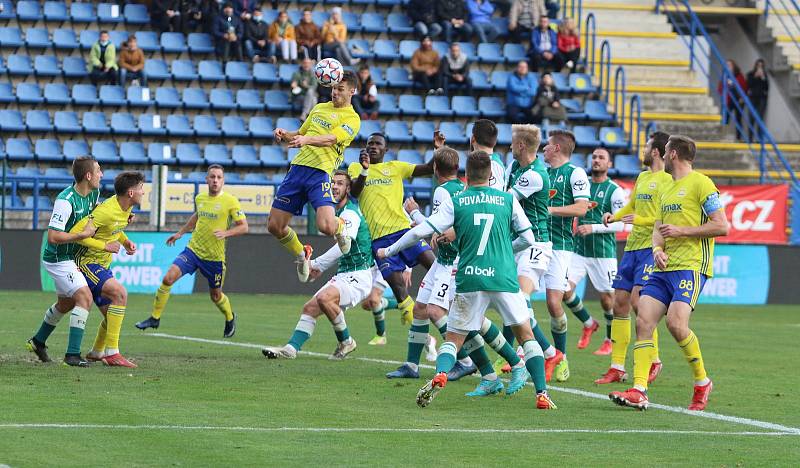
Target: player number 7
[{"x": 487, "y": 228}]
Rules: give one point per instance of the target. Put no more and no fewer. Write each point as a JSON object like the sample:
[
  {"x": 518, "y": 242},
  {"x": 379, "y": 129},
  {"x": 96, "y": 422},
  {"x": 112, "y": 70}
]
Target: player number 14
[{"x": 478, "y": 218}]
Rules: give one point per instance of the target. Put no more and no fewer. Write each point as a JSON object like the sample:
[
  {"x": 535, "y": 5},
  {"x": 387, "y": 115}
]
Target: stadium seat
[
  {"x": 156, "y": 70},
  {"x": 210, "y": 71},
  {"x": 123, "y": 123},
  {"x": 82, "y": 12},
  {"x": 467, "y": 49},
  {"x": 136, "y": 14},
  {"x": 95, "y": 122},
  {"x": 189, "y": 154},
  {"x": 399, "y": 23},
  {"x": 118, "y": 38},
  {"x": 490, "y": 52},
  {"x": 499, "y": 79},
  {"x": 376, "y": 73},
  {"x": 245, "y": 156},
  {"x": 173, "y": 43},
  {"x": 277, "y": 101},
  {"x": 613, "y": 137},
  {"x": 221, "y": 99},
  {"x": 441, "y": 47},
  {"x": 42, "y": 202},
  {"x": 7, "y": 14},
  {"x": 514, "y": 53},
  {"x": 373, "y": 23},
  {"x": 160, "y": 153},
  {"x": 56, "y": 12},
  {"x": 56, "y": 94},
  {"x": 465, "y": 106},
  {"x": 11, "y": 121},
  {"x": 453, "y": 132},
  {"x": 29, "y": 93},
  {"x": 503, "y": 134},
  {"x": 200, "y": 43},
  {"x": 350, "y": 156},
  {"x": 585, "y": 136},
  {"x": 38, "y": 121},
  {"x": 217, "y": 154},
  {"x": 368, "y": 127},
  {"x": 627, "y": 165},
  {"x": 38, "y": 38},
  {"x": 407, "y": 49},
  {"x": 105, "y": 152},
  {"x": 397, "y": 132},
  {"x": 148, "y": 41},
  {"x": 256, "y": 178},
  {"x": 168, "y": 98},
  {"x": 29, "y": 11},
  {"x": 132, "y": 152},
  {"x": 65, "y": 39},
  {"x": 206, "y": 126},
  {"x": 85, "y": 95},
  {"x": 410, "y": 156},
  {"x": 272, "y": 156},
  {"x": 581, "y": 83},
  {"x": 388, "y": 104},
  {"x": 288, "y": 123},
  {"x": 561, "y": 82},
  {"x": 7, "y": 93},
  {"x": 249, "y": 99},
  {"x": 238, "y": 72},
  {"x": 19, "y": 65},
  {"x": 152, "y": 125},
  {"x": 139, "y": 97},
  {"x": 74, "y": 148},
  {"x": 183, "y": 70},
  {"x": 491, "y": 107},
  {"x": 112, "y": 95},
  {"x": 74, "y": 67},
  {"x": 87, "y": 38},
  {"x": 285, "y": 72},
  {"x": 46, "y": 65},
  {"x": 260, "y": 127},
  {"x": 411, "y": 104},
  {"x": 597, "y": 110},
  {"x": 195, "y": 98},
  {"x": 573, "y": 108},
  {"x": 578, "y": 160},
  {"x": 20, "y": 147},
  {"x": 196, "y": 176},
  {"x": 48, "y": 150},
  {"x": 233, "y": 127},
  {"x": 265, "y": 73},
  {"x": 397, "y": 77},
  {"x": 422, "y": 131},
  {"x": 438, "y": 106},
  {"x": 178, "y": 125},
  {"x": 385, "y": 49},
  {"x": 480, "y": 81}
]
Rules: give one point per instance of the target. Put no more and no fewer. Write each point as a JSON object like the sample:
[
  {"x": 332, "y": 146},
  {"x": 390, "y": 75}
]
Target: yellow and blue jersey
[
  {"x": 381, "y": 201},
  {"x": 324, "y": 119},
  {"x": 215, "y": 213},
  {"x": 643, "y": 203},
  {"x": 110, "y": 220}
]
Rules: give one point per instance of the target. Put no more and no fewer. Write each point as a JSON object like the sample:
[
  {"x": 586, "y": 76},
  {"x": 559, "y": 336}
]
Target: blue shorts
[
  {"x": 96, "y": 276},
  {"x": 302, "y": 185},
  {"x": 634, "y": 269},
  {"x": 406, "y": 258},
  {"x": 675, "y": 286},
  {"x": 189, "y": 262}
]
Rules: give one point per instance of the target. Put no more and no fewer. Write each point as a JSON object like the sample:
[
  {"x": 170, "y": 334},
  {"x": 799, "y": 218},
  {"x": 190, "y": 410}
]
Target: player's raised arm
[
  {"x": 360, "y": 179},
  {"x": 188, "y": 227},
  {"x": 421, "y": 170},
  {"x": 438, "y": 223}
]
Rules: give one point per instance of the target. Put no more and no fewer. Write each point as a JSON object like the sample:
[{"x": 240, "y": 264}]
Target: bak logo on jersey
[
  {"x": 579, "y": 185},
  {"x": 478, "y": 271}
]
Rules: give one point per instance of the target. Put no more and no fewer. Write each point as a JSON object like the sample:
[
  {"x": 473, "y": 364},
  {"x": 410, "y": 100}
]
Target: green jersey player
[
  {"x": 348, "y": 288},
  {"x": 484, "y": 219}
]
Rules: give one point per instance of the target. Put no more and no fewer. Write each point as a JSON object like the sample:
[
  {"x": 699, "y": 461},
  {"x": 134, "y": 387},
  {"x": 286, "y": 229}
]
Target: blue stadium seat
[
  {"x": 397, "y": 132},
  {"x": 422, "y": 131},
  {"x": 359, "y": 48},
  {"x": 407, "y": 48},
  {"x": 200, "y": 43},
  {"x": 467, "y": 49},
  {"x": 265, "y": 73},
  {"x": 410, "y": 156},
  {"x": 627, "y": 165},
  {"x": 206, "y": 126},
  {"x": 465, "y": 106},
  {"x": 256, "y": 178},
  {"x": 11, "y": 121},
  {"x": 561, "y": 82},
  {"x": 183, "y": 70},
  {"x": 196, "y": 176},
  {"x": 105, "y": 152},
  {"x": 238, "y": 72},
  {"x": 109, "y": 13},
  {"x": 19, "y": 65},
  {"x": 573, "y": 108},
  {"x": 376, "y": 73},
  {"x": 57, "y": 94},
  {"x": 139, "y": 97},
  {"x": 385, "y": 49},
  {"x": 65, "y": 39},
  {"x": 581, "y": 83},
  {"x": 55, "y": 177},
  {"x": 397, "y": 77},
  {"x": 491, "y": 107},
  {"x": 613, "y": 137},
  {"x": 72, "y": 149},
  {"x": 260, "y": 127},
  {"x": 132, "y": 152},
  {"x": 168, "y": 98},
  {"x": 7, "y": 93},
  {"x": 245, "y": 156},
  {"x": 189, "y": 154},
  {"x": 490, "y": 52},
  {"x": 318, "y": 17},
  {"x": 153, "y": 125},
  {"x": 84, "y": 95},
  {"x": 350, "y": 156},
  {"x": 441, "y": 47},
  {"x": 217, "y": 154},
  {"x": 438, "y": 106},
  {"x": 82, "y": 12},
  {"x": 148, "y": 41},
  {"x": 597, "y": 110},
  {"x": 38, "y": 38},
  {"x": 74, "y": 67},
  {"x": 373, "y": 23},
  {"x": 580, "y": 160},
  {"x": 411, "y": 104},
  {"x": 160, "y": 153},
  {"x": 585, "y": 136},
  {"x": 123, "y": 123},
  {"x": 8, "y": 13},
  {"x": 48, "y": 150},
  {"x": 500, "y": 79},
  {"x": 29, "y": 93},
  {"x": 29, "y": 11},
  {"x": 502, "y": 25},
  {"x": 173, "y": 43},
  {"x": 221, "y": 99},
  {"x": 480, "y": 81},
  {"x": 288, "y": 123},
  {"x": 233, "y": 127},
  {"x": 453, "y": 132},
  {"x": 11, "y": 37},
  {"x": 38, "y": 121},
  {"x": 178, "y": 125},
  {"x": 399, "y": 23},
  {"x": 210, "y": 71},
  {"x": 195, "y": 98},
  {"x": 277, "y": 101},
  {"x": 156, "y": 70},
  {"x": 112, "y": 95},
  {"x": 368, "y": 127},
  {"x": 95, "y": 122},
  {"x": 20, "y": 147},
  {"x": 136, "y": 14},
  {"x": 46, "y": 65},
  {"x": 118, "y": 38},
  {"x": 503, "y": 134},
  {"x": 42, "y": 202},
  {"x": 249, "y": 99},
  {"x": 55, "y": 12},
  {"x": 350, "y": 19},
  {"x": 87, "y": 38},
  {"x": 388, "y": 104},
  {"x": 285, "y": 72},
  {"x": 272, "y": 156},
  {"x": 514, "y": 52}
]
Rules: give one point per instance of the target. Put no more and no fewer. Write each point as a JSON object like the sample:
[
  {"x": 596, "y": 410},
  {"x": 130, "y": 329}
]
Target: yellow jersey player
[
  {"x": 218, "y": 216},
  {"x": 322, "y": 139},
  {"x": 690, "y": 216},
  {"x": 637, "y": 261},
  {"x": 110, "y": 218}
]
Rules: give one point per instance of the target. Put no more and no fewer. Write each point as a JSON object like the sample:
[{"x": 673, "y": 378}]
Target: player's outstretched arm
[
  {"x": 322, "y": 141},
  {"x": 91, "y": 242},
  {"x": 358, "y": 182},
  {"x": 60, "y": 237},
  {"x": 408, "y": 239},
  {"x": 577, "y": 209},
  {"x": 239, "y": 228},
  {"x": 188, "y": 227}
]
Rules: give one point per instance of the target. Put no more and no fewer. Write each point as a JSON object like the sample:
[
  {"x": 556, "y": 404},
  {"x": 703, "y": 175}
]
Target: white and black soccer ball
[{"x": 329, "y": 72}]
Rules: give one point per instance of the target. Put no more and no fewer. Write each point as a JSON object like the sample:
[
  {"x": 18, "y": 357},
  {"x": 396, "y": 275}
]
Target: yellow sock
[
  {"x": 340, "y": 227},
  {"x": 406, "y": 310},
  {"x": 224, "y": 306},
  {"x": 655, "y": 346},
  {"x": 620, "y": 339},
  {"x": 100, "y": 339},
  {"x": 162, "y": 296},
  {"x": 691, "y": 349},
  {"x": 642, "y": 359},
  {"x": 116, "y": 313},
  {"x": 291, "y": 243}
]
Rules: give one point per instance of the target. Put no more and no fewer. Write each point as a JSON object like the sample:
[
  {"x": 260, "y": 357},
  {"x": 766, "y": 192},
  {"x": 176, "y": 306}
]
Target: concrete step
[
  {"x": 784, "y": 24},
  {"x": 701, "y": 131},
  {"x": 697, "y": 104},
  {"x": 741, "y": 160},
  {"x": 666, "y": 76},
  {"x": 668, "y": 49},
  {"x": 621, "y": 20}
]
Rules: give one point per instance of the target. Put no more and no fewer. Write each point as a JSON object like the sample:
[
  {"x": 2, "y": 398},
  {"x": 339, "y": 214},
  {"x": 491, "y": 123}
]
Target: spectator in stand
[
  {"x": 480, "y": 17},
  {"x": 131, "y": 63},
  {"x": 758, "y": 90},
  {"x": 309, "y": 37},
  {"x": 304, "y": 87},
  {"x": 365, "y": 102},
  {"x": 229, "y": 32},
  {"x": 523, "y": 18},
  {"x": 546, "y": 104},
  {"x": 244, "y": 9},
  {"x": 503, "y": 7},
  {"x": 730, "y": 98},
  {"x": 191, "y": 15},
  {"x": 257, "y": 41},
  {"x": 209, "y": 11},
  {"x": 103, "y": 61},
  {"x": 334, "y": 38},
  {"x": 552, "y": 7},
  {"x": 544, "y": 47},
  {"x": 281, "y": 34},
  {"x": 569, "y": 44},
  {"x": 453, "y": 15},
  {"x": 423, "y": 15},
  {"x": 425, "y": 67},
  {"x": 455, "y": 70},
  {"x": 520, "y": 89},
  {"x": 165, "y": 15}
]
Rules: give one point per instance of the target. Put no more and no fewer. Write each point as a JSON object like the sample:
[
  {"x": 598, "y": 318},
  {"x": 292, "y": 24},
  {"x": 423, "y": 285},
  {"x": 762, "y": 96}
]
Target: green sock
[
  {"x": 534, "y": 363},
  {"x": 558, "y": 326},
  {"x": 77, "y": 324},
  {"x": 392, "y": 303},
  {"x": 51, "y": 318},
  {"x": 576, "y": 306},
  {"x": 302, "y": 331},
  {"x": 508, "y": 334},
  {"x": 441, "y": 325},
  {"x": 539, "y": 335},
  {"x": 417, "y": 338},
  {"x": 446, "y": 358},
  {"x": 380, "y": 321},
  {"x": 340, "y": 328},
  {"x": 497, "y": 341}
]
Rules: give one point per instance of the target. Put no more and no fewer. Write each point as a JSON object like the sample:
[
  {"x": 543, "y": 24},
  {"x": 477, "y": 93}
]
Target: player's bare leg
[
  {"x": 534, "y": 362},
  {"x": 552, "y": 356},
  {"x": 607, "y": 303},
  {"x": 444, "y": 362},
  {"x": 678, "y": 325},
  {"x": 162, "y": 296},
  {"x": 224, "y": 305},
  {"x": 115, "y": 314},
  {"x": 278, "y": 226}
]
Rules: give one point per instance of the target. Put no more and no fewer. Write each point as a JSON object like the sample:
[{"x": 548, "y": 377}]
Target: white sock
[
  {"x": 640, "y": 388},
  {"x": 549, "y": 352},
  {"x": 413, "y": 366},
  {"x": 491, "y": 376},
  {"x": 111, "y": 351},
  {"x": 589, "y": 323},
  {"x": 467, "y": 361},
  {"x": 618, "y": 367},
  {"x": 703, "y": 382}
]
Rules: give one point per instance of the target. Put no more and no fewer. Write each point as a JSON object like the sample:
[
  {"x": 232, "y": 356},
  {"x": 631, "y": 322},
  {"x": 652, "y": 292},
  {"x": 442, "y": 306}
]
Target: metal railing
[
  {"x": 791, "y": 13},
  {"x": 572, "y": 9}
]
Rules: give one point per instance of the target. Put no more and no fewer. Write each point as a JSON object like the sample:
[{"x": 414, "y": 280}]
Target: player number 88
[{"x": 685, "y": 284}]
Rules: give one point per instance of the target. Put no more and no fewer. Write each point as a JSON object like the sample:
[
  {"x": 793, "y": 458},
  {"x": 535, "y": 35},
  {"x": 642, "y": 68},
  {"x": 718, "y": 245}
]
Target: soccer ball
[{"x": 329, "y": 72}]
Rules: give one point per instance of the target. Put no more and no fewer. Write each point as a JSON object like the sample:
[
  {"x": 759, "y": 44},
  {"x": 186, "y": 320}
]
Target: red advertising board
[{"x": 757, "y": 213}]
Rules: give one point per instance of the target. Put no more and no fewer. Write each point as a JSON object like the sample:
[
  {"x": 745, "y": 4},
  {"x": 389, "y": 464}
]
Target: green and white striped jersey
[
  {"x": 605, "y": 197},
  {"x": 498, "y": 178},
  {"x": 567, "y": 184},
  {"x": 360, "y": 255},
  {"x": 447, "y": 253},
  {"x": 69, "y": 208},
  {"x": 530, "y": 185}
]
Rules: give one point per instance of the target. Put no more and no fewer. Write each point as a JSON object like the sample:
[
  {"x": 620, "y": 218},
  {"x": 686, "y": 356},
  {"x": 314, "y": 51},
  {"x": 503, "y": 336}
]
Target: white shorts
[
  {"x": 601, "y": 271},
  {"x": 67, "y": 277},
  {"x": 557, "y": 272},
  {"x": 533, "y": 262},
  {"x": 377, "y": 279},
  {"x": 353, "y": 286},
  {"x": 439, "y": 286},
  {"x": 468, "y": 309}
]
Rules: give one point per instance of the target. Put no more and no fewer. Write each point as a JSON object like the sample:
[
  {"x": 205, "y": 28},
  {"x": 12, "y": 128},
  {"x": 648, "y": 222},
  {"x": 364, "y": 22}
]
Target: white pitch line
[
  {"x": 431, "y": 430},
  {"x": 573, "y": 391}
]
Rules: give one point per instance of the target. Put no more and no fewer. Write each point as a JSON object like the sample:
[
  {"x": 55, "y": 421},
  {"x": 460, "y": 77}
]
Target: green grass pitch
[{"x": 193, "y": 403}]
